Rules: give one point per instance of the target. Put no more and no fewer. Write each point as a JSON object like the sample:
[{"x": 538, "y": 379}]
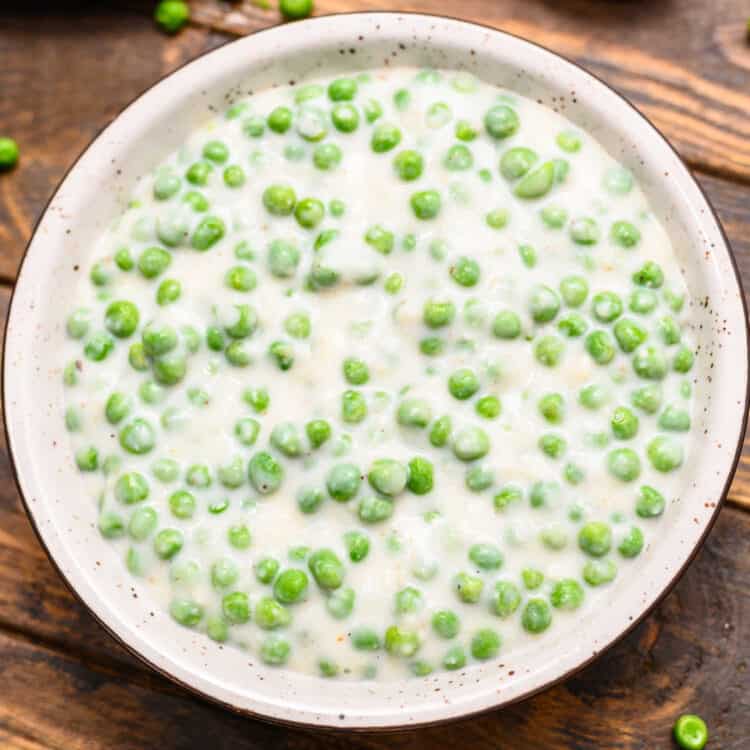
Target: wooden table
[{"x": 65, "y": 72}]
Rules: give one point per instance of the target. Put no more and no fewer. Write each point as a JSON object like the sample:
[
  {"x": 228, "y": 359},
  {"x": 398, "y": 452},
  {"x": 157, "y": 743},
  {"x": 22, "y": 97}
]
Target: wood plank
[
  {"x": 690, "y": 79},
  {"x": 691, "y": 655}
]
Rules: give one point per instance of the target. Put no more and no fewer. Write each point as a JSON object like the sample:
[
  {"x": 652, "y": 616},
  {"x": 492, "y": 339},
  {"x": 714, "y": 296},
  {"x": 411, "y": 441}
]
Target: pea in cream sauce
[{"x": 426, "y": 541}]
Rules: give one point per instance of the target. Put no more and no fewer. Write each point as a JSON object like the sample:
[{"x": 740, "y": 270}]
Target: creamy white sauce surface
[{"x": 425, "y": 543}]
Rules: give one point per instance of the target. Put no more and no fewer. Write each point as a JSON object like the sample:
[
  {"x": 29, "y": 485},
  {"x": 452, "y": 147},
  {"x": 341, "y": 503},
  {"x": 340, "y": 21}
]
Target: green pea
[
  {"x": 599, "y": 572},
  {"x": 690, "y": 732},
  {"x": 340, "y": 604},
  {"x": 309, "y": 212},
  {"x": 650, "y": 502},
  {"x": 326, "y": 156},
  {"x": 554, "y": 217},
  {"x": 606, "y": 306},
  {"x": 286, "y": 439},
  {"x": 479, "y": 478},
  {"x": 318, "y": 432},
  {"x": 463, "y": 384},
  {"x": 326, "y": 568},
  {"x": 414, "y": 412},
  {"x": 232, "y": 474},
  {"x": 544, "y": 494},
  {"x": 215, "y": 151},
  {"x": 624, "y": 423},
  {"x": 342, "y": 90},
  {"x": 246, "y": 430},
  {"x": 664, "y": 453},
  {"x": 569, "y": 141},
  {"x": 137, "y": 437},
  {"x": 266, "y": 570},
  {"x": 536, "y": 616},
  {"x": 649, "y": 363},
  {"x": 241, "y": 279},
  {"x": 618, "y": 180},
  {"x": 488, "y": 407},
  {"x": 584, "y": 231},
  {"x": 224, "y": 573},
  {"x": 600, "y": 346},
  {"x": 385, "y": 137},
  {"x": 574, "y": 290},
  {"x": 343, "y": 482},
  {"x": 501, "y": 121},
  {"x": 567, "y": 594},
  {"x": 374, "y": 509},
  {"x": 438, "y": 314},
  {"x": 198, "y": 475},
  {"x": 142, "y": 524},
  {"x": 629, "y": 334},
  {"x": 552, "y": 445},
  {"x": 291, "y": 586},
  {"x": 79, "y": 321},
  {"x": 548, "y": 350},
  {"x": 468, "y": 588},
  {"x": 280, "y": 119},
  {"x": 532, "y": 578},
  {"x": 279, "y": 200},
  {"x": 118, "y": 407},
  {"x": 632, "y": 543},
  {"x": 544, "y": 304},
  {"x": 595, "y": 538},
  {"x": 486, "y": 556},
  {"x": 166, "y": 470},
  {"x": 98, "y": 347},
  {"x": 167, "y": 543},
  {"x": 624, "y": 464},
  {"x": 158, "y": 339},
  {"x": 458, "y": 158},
  {"x": 353, "y": 407},
  {"x": 388, "y": 476},
  {"x": 421, "y": 476},
  {"x": 642, "y": 301},
  {"x": 536, "y": 183},
  {"x": 365, "y": 639},
  {"x": 507, "y": 495},
  {"x": 674, "y": 419},
  {"x": 408, "y": 600},
  {"x": 440, "y": 431},
  {"x": 282, "y": 353},
  {"x": 497, "y": 218},
  {"x": 265, "y": 473},
  {"x": 357, "y": 544},
  {"x": 309, "y": 500},
  {"x": 470, "y": 444},
  {"x": 198, "y": 173},
  {"x": 111, "y": 525},
  {"x": 625, "y": 234},
  {"x": 506, "y": 325},
  {"x": 506, "y": 599},
  {"x": 401, "y": 642},
  {"x": 426, "y": 204},
  {"x": 683, "y": 360},
  {"x": 408, "y": 165},
  {"x": 269, "y": 614},
  {"x": 186, "y": 612},
  {"x": 552, "y": 407},
  {"x": 649, "y": 275},
  {"x": 275, "y": 650},
  {"x": 345, "y": 118}
]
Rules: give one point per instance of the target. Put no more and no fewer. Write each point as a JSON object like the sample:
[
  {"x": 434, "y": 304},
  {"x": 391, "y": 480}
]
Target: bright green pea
[
  {"x": 365, "y": 639},
  {"x": 343, "y": 481},
  {"x": 690, "y": 732},
  {"x": 664, "y": 453},
  {"x": 269, "y": 614},
  {"x": 401, "y": 642},
  {"x": 265, "y": 473},
  {"x": 246, "y": 430},
  {"x": 468, "y": 588},
  {"x": 137, "y": 437},
  {"x": 290, "y": 586},
  {"x": 111, "y": 525},
  {"x": 595, "y": 538},
  {"x": 408, "y": 600},
  {"x": 279, "y": 200},
  {"x": 552, "y": 407},
  {"x": 674, "y": 419},
  {"x": 506, "y": 325},
  {"x": 326, "y": 156},
  {"x": 186, "y": 612},
  {"x": 548, "y": 350},
  {"x": 632, "y": 543},
  {"x": 516, "y": 162},
  {"x": 650, "y": 502},
  {"x": 506, "y": 599},
  {"x": 388, "y": 476},
  {"x": 624, "y": 423},
  {"x": 77, "y": 325},
  {"x": 440, "y": 431},
  {"x": 554, "y": 217},
  {"x": 224, "y": 573},
  {"x": 414, "y": 412},
  {"x": 649, "y": 363},
  {"x": 345, "y": 118},
  {"x": 552, "y": 445},
  {"x": 465, "y": 272},
  {"x": 497, "y": 218},
  {"x": 409, "y": 165},
  {"x": 470, "y": 444},
  {"x": 683, "y": 360},
  {"x": 600, "y": 346},
  {"x": 357, "y": 544},
  {"x": 282, "y": 353},
  {"x": 485, "y": 644},
  {"x": 479, "y": 478},
  {"x": 544, "y": 304},
  {"x": 458, "y": 158},
  {"x": 98, "y": 347},
  {"x": 567, "y": 594},
  {"x": 649, "y": 275},
  {"x": 385, "y": 137},
  {"x": 606, "y": 306},
  {"x": 501, "y": 121},
  {"x": 309, "y": 212},
  {"x": 167, "y": 543},
  {"x": 374, "y": 509},
  {"x": 574, "y": 290},
  {"x": 426, "y": 204},
  {"x": 488, "y": 407},
  {"x": 326, "y": 568},
  {"x": 544, "y": 494},
  {"x": 625, "y": 234},
  {"x": 353, "y": 407},
  {"x": 486, "y": 556},
  {"x": 286, "y": 439},
  {"x": 599, "y": 572},
  {"x": 318, "y": 432},
  {"x": 624, "y": 464},
  {"x": 569, "y": 141},
  {"x": 536, "y": 616},
  {"x": 421, "y": 476},
  {"x": 438, "y": 314},
  {"x": 463, "y": 384}
]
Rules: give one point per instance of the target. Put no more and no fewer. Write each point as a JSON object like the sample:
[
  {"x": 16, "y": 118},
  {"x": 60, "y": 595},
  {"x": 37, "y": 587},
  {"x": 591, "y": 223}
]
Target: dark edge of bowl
[{"x": 501, "y": 703}]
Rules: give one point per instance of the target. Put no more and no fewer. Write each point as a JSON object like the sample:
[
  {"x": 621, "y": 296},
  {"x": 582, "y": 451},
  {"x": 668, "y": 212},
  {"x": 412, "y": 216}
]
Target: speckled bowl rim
[{"x": 394, "y": 719}]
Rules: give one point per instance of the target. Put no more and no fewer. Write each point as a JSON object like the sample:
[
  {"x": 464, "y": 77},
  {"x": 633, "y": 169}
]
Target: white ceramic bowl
[{"x": 93, "y": 193}]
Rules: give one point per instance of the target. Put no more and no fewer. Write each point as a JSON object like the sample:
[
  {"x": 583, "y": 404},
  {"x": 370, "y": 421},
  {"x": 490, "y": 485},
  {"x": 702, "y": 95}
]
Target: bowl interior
[{"x": 97, "y": 188}]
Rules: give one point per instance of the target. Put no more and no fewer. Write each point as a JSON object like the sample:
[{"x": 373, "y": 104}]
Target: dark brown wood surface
[{"x": 65, "y": 72}]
